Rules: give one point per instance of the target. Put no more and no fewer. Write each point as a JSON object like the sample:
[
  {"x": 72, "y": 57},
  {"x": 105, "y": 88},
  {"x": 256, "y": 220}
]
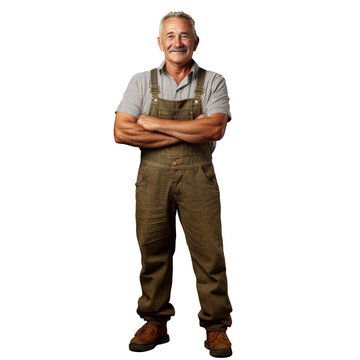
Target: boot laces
[
  {"x": 222, "y": 337},
  {"x": 145, "y": 327}
]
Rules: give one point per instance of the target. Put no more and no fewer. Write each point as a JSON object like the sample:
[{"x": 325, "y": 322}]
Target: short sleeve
[
  {"x": 218, "y": 101},
  {"x": 131, "y": 102}
]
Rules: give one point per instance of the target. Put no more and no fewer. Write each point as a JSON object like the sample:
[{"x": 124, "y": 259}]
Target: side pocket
[
  {"x": 208, "y": 174},
  {"x": 143, "y": 172}
]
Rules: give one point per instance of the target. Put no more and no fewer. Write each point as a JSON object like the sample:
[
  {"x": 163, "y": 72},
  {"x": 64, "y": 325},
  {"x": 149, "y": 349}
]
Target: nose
[{"x": 177, "y": 41}]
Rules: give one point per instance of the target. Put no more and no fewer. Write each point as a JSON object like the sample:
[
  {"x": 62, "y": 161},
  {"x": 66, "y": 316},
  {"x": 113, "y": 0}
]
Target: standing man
[{"x": 175, "y": 114}]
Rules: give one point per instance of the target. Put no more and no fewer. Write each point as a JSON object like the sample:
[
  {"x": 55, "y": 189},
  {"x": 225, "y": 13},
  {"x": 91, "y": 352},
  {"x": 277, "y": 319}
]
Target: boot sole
[
  {"x": 145, "y": 347},
  {"x": 218, "y": 352}
]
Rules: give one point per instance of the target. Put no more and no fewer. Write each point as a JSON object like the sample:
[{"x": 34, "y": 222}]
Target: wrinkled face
[{"x": 177, "y": 41}]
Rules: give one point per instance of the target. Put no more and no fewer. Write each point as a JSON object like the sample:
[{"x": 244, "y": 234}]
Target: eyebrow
[{"x": 172, "y": 32}]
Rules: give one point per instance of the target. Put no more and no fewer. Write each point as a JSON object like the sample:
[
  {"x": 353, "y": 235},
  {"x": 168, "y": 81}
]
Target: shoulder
[
  {"x": 212, "y": 74},
  {"x": 214, "y": 81},
  {"x": 139, "y": 83},
  {"x": 140, "y": 78},
  {"x": 212, "y": 77}
]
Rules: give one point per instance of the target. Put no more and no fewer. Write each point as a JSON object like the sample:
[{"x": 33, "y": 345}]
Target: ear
[
  {"x": 159, "y": 43},
  {"x": 196, "y": 43}
]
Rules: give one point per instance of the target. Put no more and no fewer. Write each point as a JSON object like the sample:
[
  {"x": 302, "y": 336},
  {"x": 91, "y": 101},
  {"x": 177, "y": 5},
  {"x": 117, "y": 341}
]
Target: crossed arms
[{"x": 152, "y": 132}]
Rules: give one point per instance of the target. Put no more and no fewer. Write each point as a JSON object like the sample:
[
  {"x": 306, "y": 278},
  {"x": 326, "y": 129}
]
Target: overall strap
[
  {"x": 154, "y": 85},
  {"x": 199, "y": 90}
]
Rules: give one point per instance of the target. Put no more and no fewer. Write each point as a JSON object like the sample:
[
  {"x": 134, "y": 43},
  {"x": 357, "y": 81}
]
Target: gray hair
[{"x": 178, "y": 14}]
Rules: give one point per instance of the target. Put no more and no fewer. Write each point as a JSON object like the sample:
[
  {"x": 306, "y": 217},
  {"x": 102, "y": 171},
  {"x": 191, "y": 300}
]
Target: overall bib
[{"x": 181, "y": 178}]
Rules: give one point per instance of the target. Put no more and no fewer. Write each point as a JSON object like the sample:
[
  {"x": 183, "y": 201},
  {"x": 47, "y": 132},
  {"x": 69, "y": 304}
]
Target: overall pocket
[
  {"x": 207, "y": 172},
  {"x": 143, "y": 173}
]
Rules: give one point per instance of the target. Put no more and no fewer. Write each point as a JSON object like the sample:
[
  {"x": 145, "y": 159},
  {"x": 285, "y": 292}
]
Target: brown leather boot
[
  {"x": 218, "y": 343},
  {"x": 148, "y": 336}
]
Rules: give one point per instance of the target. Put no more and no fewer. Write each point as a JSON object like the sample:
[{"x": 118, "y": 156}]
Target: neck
[{"x": 178, "y": 72}]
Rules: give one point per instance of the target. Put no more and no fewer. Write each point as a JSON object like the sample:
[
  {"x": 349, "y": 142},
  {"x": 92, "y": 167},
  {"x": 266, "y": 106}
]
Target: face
[{"x": 177, "y": 41}]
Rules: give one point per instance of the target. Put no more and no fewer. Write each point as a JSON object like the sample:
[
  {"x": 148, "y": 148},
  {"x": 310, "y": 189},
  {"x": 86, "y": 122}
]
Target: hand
[
  {"x": 147, "y": 122},
  {"x": 201, "y": 116}
]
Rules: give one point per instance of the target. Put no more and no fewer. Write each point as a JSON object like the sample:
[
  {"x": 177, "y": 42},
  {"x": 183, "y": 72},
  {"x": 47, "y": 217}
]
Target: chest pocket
[{"x": 187, "y": 109}]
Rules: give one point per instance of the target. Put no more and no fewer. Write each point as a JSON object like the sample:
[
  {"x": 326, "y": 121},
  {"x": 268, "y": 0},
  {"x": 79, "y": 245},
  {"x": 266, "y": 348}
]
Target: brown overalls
[{"x": 181, "y": 178}]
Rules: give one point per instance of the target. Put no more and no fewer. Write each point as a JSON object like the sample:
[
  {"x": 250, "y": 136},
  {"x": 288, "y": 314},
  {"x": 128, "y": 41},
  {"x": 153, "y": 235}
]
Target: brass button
[{"x": 173, "y": 163}]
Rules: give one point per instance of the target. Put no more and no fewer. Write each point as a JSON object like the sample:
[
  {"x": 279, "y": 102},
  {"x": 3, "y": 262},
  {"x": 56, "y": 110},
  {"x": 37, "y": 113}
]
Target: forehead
[{"x": 176, "y": 25}]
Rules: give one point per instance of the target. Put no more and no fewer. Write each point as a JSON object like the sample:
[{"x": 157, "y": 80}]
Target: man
[{"x": 175, "y": 114}]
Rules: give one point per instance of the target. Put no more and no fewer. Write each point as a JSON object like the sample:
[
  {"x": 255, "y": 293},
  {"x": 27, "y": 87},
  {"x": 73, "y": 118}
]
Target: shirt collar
[{"x": 193, "y": 71}]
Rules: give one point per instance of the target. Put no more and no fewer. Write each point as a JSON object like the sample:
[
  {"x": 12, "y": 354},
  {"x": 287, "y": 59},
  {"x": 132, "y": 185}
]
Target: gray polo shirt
[{"x": 137, "y": 97}]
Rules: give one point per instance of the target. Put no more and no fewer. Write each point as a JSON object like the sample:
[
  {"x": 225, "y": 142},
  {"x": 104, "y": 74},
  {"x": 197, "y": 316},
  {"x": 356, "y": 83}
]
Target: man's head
[{"x": 177, "y": 37}]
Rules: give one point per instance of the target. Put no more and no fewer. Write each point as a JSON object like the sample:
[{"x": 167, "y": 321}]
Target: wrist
[{"x": 155, "y": 123}]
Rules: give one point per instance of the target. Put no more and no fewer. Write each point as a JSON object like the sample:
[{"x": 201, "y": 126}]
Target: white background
[{"x": 288, "y": 171}]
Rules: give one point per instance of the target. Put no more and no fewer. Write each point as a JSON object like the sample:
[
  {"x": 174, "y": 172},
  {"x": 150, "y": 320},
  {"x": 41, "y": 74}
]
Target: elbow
[
  {"x": 118, "y": 136},
  {"x": 218, "y": 126},
  {"x": 217, "y": 133}
]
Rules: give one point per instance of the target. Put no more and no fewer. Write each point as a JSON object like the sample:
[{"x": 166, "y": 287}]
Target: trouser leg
[
  {"x": 199, "y": 212},
  {"x": 155, "y": 227}
]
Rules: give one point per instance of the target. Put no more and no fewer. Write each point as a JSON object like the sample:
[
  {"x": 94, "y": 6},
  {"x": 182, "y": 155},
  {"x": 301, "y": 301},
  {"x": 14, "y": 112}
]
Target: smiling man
[{"x": 175, "y": 114}]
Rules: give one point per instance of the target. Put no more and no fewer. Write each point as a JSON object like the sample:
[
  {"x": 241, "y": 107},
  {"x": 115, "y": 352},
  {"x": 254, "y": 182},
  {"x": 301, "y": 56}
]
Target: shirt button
[{"x": 173, "y": 163}]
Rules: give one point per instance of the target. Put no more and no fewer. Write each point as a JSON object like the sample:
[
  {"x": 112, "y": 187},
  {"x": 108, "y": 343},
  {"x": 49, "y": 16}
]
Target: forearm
[
  {"x": 135, "y": 135},
  {"x": 193, "y": 131},
  {"x": 199, "y": 130}
]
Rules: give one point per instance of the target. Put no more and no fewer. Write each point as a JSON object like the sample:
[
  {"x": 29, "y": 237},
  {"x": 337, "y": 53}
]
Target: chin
[{"x": 175, "y": 56}]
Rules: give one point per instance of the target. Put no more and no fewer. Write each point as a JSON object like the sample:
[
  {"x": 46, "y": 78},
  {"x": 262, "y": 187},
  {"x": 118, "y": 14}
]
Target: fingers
[{"x": 201, "y": 116}]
